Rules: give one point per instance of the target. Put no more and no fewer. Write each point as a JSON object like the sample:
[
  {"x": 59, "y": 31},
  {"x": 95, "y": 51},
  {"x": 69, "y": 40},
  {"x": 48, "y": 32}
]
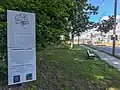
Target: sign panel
[
  {"x": 116, "y": 38},
  {"x": 21, "y": 47}
]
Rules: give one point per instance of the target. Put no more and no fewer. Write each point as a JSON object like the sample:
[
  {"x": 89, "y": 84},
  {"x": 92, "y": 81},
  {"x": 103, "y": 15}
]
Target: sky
[{"x": 106, "y": 9}]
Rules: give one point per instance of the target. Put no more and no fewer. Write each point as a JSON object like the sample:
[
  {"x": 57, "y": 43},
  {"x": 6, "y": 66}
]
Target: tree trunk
[
  {"x": 78, "y": 40},
  {"x": 72, "y": 41}
]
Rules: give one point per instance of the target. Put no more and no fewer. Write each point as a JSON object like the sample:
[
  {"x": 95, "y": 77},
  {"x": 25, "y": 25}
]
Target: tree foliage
[
  {"x": 50, "y": 23},
  {"x": 80, "y": 13},
  {"x": 106, "y": 25},
  {"x": 79, "y": 16},
  {"x": 53, "y": 19}
]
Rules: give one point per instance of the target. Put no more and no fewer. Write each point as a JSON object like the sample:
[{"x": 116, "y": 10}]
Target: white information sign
[{"x": 21, "y": 47}]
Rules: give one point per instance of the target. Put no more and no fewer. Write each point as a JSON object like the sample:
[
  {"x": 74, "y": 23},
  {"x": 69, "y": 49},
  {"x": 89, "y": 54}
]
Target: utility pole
[{"x": 114, "y": 29}]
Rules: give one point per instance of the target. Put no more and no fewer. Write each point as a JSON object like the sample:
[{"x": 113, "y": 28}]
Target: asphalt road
[{"x": 108, "y": 49}]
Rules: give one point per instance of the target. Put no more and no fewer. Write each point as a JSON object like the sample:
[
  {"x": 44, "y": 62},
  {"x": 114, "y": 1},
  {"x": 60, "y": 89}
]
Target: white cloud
[
  {"x": 118, "y": 17},
  {"x": 104, "y": 18}
]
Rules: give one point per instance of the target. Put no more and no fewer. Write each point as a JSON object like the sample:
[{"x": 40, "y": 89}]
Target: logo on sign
[
  {"x": 29, "y": 76},
  {"x": 21, "y": 19},
  {"x": 16, "y": 78}
]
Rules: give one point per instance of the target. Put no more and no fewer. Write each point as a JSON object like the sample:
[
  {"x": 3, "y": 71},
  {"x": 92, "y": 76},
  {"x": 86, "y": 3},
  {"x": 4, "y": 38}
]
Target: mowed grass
[{"x": 64, "y": 69}]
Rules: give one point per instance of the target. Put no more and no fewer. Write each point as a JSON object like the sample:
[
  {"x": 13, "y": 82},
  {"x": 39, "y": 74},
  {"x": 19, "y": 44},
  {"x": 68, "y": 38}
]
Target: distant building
[{"x": 97, "y": 38}]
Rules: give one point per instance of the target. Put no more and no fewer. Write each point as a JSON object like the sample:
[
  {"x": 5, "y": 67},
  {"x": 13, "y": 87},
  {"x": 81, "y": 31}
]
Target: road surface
[{"x": 108, "y": 49}]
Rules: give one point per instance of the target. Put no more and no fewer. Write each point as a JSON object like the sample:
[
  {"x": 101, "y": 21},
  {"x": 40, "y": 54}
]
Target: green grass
[{"x": 63, "y": 69}]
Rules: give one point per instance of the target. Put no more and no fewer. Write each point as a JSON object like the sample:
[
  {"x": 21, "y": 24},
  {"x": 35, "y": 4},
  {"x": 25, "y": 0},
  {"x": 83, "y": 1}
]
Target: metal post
[{"x": 114, "y": 29}]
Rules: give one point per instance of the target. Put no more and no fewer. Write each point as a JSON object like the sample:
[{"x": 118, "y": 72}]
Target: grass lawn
[{"x": 65, "y": 69}]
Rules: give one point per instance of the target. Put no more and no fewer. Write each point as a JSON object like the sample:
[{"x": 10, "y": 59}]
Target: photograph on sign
[{"x": 21, "y": 43}]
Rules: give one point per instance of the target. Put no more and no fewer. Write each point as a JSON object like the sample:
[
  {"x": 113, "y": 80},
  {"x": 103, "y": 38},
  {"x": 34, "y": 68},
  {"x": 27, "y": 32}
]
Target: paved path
[{"x": 109, "y": 59}]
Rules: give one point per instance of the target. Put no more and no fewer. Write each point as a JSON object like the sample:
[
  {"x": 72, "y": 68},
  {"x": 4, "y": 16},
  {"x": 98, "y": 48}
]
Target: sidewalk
[{"x": 115, "y": 62}]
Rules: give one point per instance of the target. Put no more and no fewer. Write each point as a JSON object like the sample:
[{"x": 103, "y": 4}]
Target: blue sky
[{"x": 106, "y": 9}]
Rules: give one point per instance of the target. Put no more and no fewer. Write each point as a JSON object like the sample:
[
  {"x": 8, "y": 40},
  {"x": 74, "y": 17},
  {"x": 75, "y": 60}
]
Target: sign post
[{"x": 21, "y": 47}]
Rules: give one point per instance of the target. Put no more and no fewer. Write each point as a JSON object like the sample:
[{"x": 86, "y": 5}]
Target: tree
[
  {"x": 106, "y": 25},
  {"x": 79, "y": 17},
  {"x": 52, "y": 20},
  {"x": 50, "y": 16},
  {"x": 50, "y": 23},
  {"x": 3, "y": 46}
]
